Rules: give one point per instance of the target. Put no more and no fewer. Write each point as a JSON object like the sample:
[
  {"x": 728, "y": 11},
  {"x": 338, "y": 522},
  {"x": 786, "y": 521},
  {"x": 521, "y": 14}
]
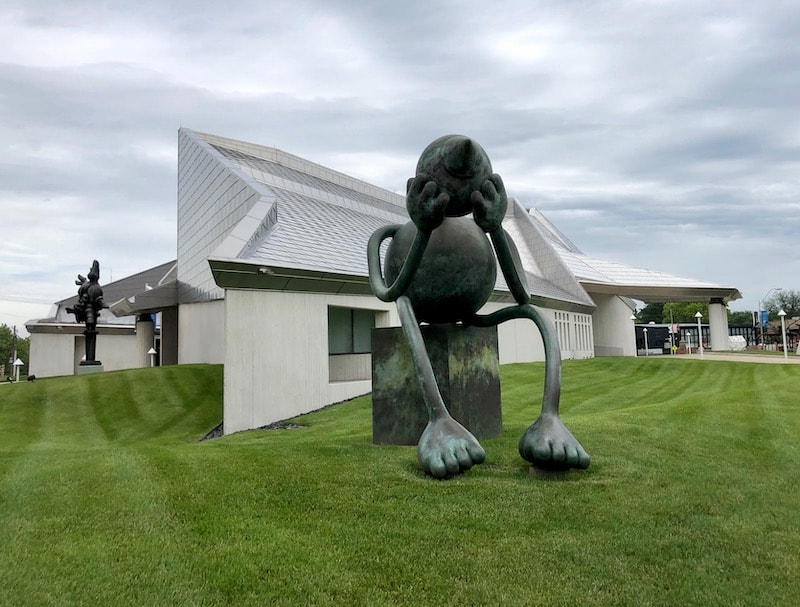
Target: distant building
[
  {"x": 271, "y": 280},
  {"x": 57, "y": 342}
]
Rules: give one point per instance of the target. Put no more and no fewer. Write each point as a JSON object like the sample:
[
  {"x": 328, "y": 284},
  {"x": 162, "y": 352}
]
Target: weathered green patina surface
[
  {"x": 467, "y": 370},
  {"x": 440, "y": 268}
]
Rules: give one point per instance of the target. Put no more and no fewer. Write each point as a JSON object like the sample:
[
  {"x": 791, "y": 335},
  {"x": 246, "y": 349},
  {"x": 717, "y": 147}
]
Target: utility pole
[
  {"x": 14, "y": 342},
  {"x": 671, "y": 334}
]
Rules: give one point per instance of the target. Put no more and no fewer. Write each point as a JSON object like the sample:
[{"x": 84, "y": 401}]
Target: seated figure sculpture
[{"x": 440, "y": 268}]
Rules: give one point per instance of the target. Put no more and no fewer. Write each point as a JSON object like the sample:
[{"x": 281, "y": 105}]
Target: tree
[
  {"x": 652, "y": 312},
  {"x": 788, "y": 301},
  {"x": 684, "y": 311},
  {"x": 7, "y": 350},
  {"x": 740, "y": 319}
]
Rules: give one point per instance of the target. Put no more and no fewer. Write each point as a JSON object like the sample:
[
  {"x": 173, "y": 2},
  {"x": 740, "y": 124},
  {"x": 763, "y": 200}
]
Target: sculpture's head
[
  {"x": 94, "y": 273},
  {"x": 459, "y": 166}
]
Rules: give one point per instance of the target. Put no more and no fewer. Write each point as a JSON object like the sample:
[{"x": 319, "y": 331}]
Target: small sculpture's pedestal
[
  {"x": 466, "y": 365},
  {"x": 87, "y": 369},
  {"x": 90, "y": 365}
]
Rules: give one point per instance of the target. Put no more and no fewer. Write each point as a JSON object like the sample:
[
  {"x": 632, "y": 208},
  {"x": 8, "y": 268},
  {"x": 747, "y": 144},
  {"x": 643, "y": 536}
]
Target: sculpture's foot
[
  {"x": 548, "y": 444},
  {"x": 446, "y": 448}
]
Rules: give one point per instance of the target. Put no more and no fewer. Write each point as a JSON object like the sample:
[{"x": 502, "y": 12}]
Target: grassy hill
[{"x": 107, "y": 497}]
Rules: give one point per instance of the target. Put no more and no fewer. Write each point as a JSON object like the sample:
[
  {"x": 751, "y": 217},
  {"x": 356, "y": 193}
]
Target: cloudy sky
[{"x": 662, "y": 134}]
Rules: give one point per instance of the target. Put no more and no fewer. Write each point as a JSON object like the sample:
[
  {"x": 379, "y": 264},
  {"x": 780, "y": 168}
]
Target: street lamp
[
  {"x": 635, "y": 344},
  {"x": 152, "y": 352},
  {"x": 646, "y": 346},
  {"x": 761, "y": 323},
  {"x": 782, "y": 314},
  {"x": 698, "y": 316},
  {"x": 17, "y": 364}
]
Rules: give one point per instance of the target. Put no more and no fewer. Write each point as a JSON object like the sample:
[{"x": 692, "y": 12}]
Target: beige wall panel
[
  {"x": 117, "y": 352},
  {"x": 51, "y": 354},
  {"x": 518, "y": 340},
  {"x": 277, "y": 362},
  {"x": 201, "y": 333},
  {"x": 718, "y": 327},
  {"x": 612, "y": 327}
]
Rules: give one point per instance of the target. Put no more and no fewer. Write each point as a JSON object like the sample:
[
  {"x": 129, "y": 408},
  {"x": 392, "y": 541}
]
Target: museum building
[{"x": 271, "y": 281}]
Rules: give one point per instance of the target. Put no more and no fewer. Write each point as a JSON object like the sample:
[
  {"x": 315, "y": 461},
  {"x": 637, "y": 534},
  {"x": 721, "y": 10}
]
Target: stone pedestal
[
  {"x": 467, "y": 368},
  {"x": 84, "y": 369}
]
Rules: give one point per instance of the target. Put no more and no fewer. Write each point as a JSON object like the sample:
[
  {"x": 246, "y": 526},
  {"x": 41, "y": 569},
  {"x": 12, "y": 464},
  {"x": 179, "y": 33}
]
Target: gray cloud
[{"x": 655, "y": 134}]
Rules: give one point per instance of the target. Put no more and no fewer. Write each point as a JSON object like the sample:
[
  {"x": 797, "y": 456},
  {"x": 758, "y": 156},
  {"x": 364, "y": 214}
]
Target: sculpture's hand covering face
[
  {"x": 426, "y": 203},
  {"x": 490, "y": 203}
]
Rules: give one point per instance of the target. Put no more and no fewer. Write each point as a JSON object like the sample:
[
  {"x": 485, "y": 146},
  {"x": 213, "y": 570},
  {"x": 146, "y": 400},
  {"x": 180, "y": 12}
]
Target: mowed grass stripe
[
  {"x": 79, "y": 497},
  {"x": 690, "y": 500},
  {"x": 88, "y": 528}
]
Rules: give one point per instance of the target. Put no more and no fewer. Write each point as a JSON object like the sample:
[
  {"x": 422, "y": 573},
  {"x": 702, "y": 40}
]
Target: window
[{"x": 349, "y": 330}]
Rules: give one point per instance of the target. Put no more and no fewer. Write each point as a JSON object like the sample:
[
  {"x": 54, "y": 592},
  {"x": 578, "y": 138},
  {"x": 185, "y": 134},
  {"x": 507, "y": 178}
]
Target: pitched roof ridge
[
  {"x": 381, "y": 209},
  {"x": 553, "y": 233},
  {"x": 549, "y": 261},
  {"x": 276, "y": 155}
]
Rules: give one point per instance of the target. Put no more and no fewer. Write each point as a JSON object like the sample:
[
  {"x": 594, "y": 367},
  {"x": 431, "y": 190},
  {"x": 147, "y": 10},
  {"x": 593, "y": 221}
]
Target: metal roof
[
  {"x": 602, "y": 276},
  {"x": 310, "y": 230},
  {"x": 317, "y": 221}
]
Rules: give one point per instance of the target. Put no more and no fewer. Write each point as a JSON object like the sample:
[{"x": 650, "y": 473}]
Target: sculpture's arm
[
  {"x": 489, "y": 206},
  {"x": 426, "y": 207},
  {"x": 406, "y": 274},
  {"x": 511, "y": 265}
]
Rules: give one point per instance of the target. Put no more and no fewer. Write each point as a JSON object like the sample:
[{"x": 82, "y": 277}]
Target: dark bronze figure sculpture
[
  {"x": 90, "y": 302},
  {"x": 440, "y": 268}
]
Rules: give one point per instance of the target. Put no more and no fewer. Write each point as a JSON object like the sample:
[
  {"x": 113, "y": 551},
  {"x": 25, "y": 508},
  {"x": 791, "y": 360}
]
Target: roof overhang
[
  {"x": 65, "y": 328},
  {"x": 150, "y": 301},
  {"x": 238, "y": 274},
  {"x": 664, "y": 293}
]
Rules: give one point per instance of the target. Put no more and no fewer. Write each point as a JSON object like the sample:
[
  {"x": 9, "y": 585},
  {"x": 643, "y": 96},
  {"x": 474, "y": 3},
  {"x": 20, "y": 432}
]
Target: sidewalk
[{"x": 744, "y": 357}]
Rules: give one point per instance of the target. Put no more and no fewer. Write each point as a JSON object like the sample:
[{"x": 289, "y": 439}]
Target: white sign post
[{"x": 17, "y": 364}]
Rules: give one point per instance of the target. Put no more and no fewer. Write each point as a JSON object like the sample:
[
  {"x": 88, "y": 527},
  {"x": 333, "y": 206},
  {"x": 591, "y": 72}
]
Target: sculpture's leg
[
  {"x": 445, "y": 447},
  {"x": 91, "y": 344},
  {"x": 546, "y": 443}
]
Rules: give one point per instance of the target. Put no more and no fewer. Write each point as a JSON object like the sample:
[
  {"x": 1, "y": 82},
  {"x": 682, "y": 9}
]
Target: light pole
[
  {"x": 635, "y": 344},
  {"x": 761, "y": 322},
  {"x": 646, "y": 346},
  {"x": 671, "y": 334},
  {"x": 17, "y": 364},
  {"x": 782, "y": 314},
  {"x": 698, "y": 316}
]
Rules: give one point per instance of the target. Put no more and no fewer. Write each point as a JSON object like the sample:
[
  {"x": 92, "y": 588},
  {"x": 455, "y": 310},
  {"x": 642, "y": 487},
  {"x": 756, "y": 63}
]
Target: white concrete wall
[
  {"x": 718, "y": 326},
  {"x": 349, "y": 367},
  {"x": 55, "y": 354},
  {"x": 614, "y": 333},
  {"x": 51, "y": 354},
  {"x": 276, "y": 351},
  {"x": 518, "y": 340},
  {"x": 144, "y": 341},
  {"x": 201, "y": 332},
  {"x": 115, "y": 351},
  {"x": 276, "y": 362}
]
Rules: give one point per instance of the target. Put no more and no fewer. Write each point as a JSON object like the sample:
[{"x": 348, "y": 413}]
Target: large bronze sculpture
[
  {"x": 87, "y": 310},
  {"x": 440, "y": 269}
]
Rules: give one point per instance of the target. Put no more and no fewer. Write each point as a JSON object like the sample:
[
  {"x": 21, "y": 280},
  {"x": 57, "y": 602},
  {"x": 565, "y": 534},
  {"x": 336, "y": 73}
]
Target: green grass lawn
[{"x": 692, "y": 498}]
